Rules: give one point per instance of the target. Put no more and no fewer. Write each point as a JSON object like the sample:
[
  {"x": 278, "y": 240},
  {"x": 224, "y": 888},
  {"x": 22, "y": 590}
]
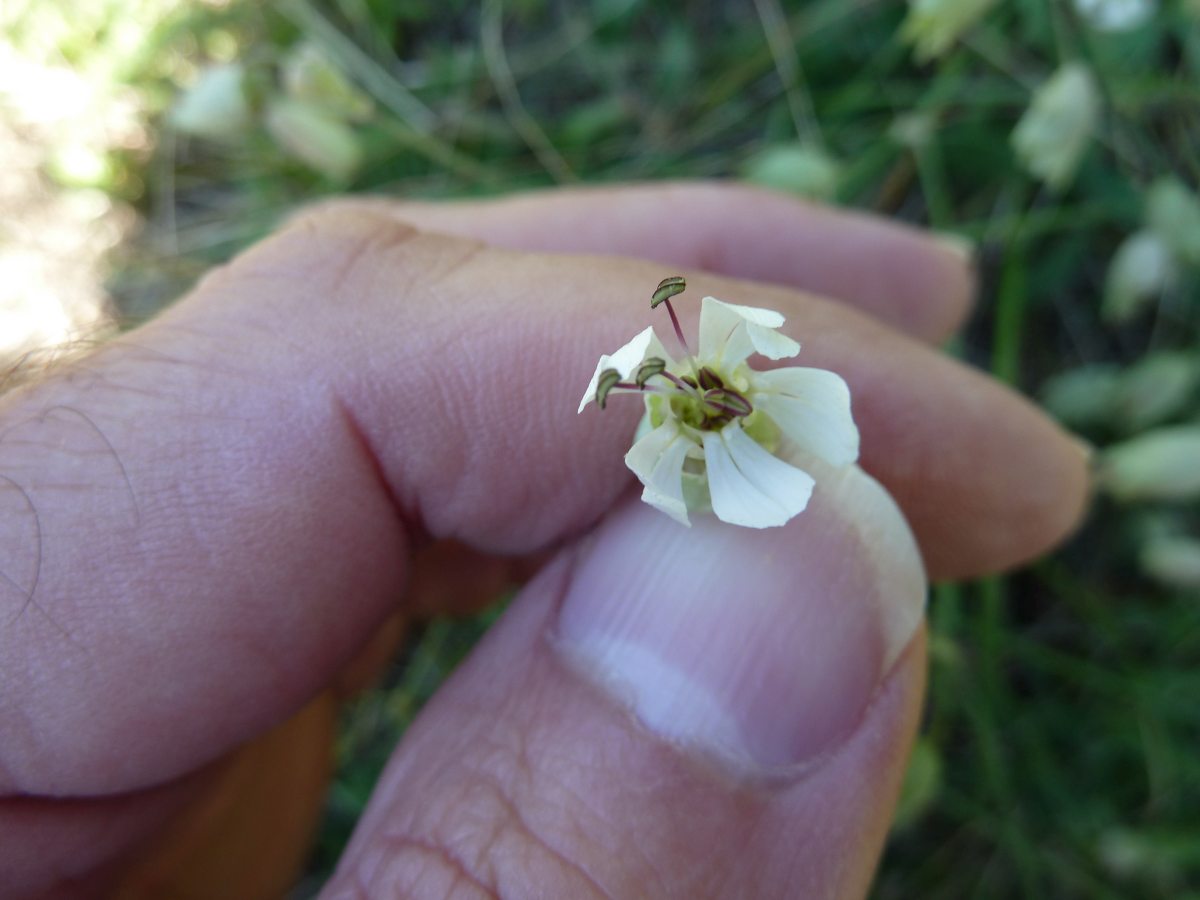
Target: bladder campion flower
[
  {"x": 1055, "y": 131},
  {"x": 933, "y": 27},
  {"x": 717, "y": 434}
]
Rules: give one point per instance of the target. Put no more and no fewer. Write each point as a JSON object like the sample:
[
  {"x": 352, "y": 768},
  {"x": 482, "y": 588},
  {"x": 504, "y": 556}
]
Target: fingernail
[
  {"x": 762, "y": 648},
  {"x": 1084, "y": 448},
  {"x": 961, "y": 248}
]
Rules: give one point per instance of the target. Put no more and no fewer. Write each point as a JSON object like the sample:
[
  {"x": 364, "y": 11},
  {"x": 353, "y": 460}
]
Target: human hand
[{"x": 205, "y": 520}]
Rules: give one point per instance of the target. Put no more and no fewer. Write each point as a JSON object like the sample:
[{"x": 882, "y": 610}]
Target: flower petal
[
  {"x": 812, "y": 409},
  {"x": 770, "y": 343},
  {"x": 718, "y": 319},
  {"x": 748, "y": 485},
  {"x": 657, "y": 460},
  {"x": 729, "y": 333},
  {"x": 626, "y": 360}
]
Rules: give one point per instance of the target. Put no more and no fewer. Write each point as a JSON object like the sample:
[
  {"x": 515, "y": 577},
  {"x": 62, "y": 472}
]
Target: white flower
[
  {"x": 1157, "y": 465},
  {"x": 215, "y": 106},
  {"x": 802, "y": 169},
  {"x": 1141, "y": 271},
  {"x": 933, "y": 26},
  {"x": 718, "y": 434},
  {"x": 313, "y": 136},
  {"x": 311, "y": 77},
  {"x": 1173, "y": 213},
  {"x": 1055, "y": 131},
  {"x": 1173, "y": 560},
  {"x": 1115, "y": 15}
]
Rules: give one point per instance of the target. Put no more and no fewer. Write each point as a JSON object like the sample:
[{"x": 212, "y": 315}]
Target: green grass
[{"x": 1059, "y": 752}]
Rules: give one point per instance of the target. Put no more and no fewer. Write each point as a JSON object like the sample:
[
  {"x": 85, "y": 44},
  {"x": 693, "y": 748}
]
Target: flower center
[
  {"x": 702, "y": 400},
  {"x": 706, "y": 402}
]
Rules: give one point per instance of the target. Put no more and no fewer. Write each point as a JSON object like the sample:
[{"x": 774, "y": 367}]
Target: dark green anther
[
  {"x": 728, "y": 402},
  {"x": 606, "y": 382},
  {"x": 647, "y": 370},
  {"x": 668, "y": 288},
  {"x": 735, "y": 402},
  {"x": 710, "y": 380}
]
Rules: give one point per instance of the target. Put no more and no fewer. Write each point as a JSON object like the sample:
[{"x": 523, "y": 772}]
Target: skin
[{"x": 363, "y": 419}]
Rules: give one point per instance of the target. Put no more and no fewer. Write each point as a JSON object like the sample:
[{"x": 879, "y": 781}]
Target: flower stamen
[
  {"x": 608, "y": 380},
  {"x": 687, "y": 385},
  {"x": 668, "y": 288},
  {"x": 728, "y": 402},
  {"x": 647, "y": 370},
  {"x": 709, "y": 380}
]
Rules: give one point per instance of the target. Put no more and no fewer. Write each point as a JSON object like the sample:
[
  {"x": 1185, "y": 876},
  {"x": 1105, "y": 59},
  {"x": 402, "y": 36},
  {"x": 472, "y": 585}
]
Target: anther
[
  {"x": 728, "y": 402},
  {"x": 710, "y": 380},
  {"x": 647, "y": 370},
  {"x": 608, "y": 380},
  {"x": 668, "y": 288}
]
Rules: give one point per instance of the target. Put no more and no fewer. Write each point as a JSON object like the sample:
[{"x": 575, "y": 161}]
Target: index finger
[
  {"x": 917, "y": 283},
  {"x": 203, "y": 520}
]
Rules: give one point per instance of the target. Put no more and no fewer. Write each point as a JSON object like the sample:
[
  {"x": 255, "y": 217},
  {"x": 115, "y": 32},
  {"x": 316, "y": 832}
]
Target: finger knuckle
[{"x": 320, "y": 250}]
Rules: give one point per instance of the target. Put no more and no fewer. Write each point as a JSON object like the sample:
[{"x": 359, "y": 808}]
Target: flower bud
[
  {"x": 1172, "y": 560},
  {"x": 913, "y": 129},
  {"x": 1159, "y": 465},
  {"x": 1082, "y": 397},
  {"x": 215, "y": 106},
  {"x": 1154, "y": 390},
  {"x": 1115, "y": 15},
  {"x": 802, "y": 169},
  {"x": 310, "y": 77},
  {"x": 932, "y": 26},
  {"x": 1129, "y": 854},
  {"x": 1142, "y": 269},
  {"x": 1053, "y": 134},
  {"x": 1173, "y": 213},
  {"x": 312, "y": 136}
]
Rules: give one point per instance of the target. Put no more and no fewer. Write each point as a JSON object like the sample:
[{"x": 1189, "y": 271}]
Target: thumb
[{"x": 670, "y": 712}]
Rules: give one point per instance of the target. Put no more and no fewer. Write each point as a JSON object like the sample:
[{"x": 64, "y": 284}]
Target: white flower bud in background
[
  {"x": 1159, "y": 465},
  {"x": 1083, "y": 397},
  {"x": 315, "y": 138},
  {"x": 1173, "y": 213},
  {"x": 913, "y": 129},
  {"x": 802, "y": 169},
  {"x": 1155, "y": 389},
  {"x": 1128, "y": 853},
  {"x": 215, "y": 106},
  {"x": 309, "y": 76},
  {"x": 933, "y": 26},
  {"x": 1115, "y": 15},
  {"x": 1142, "y": 269},
  {"x": 1173, "y": 561},
  {"x": 1052, "y": 136}
]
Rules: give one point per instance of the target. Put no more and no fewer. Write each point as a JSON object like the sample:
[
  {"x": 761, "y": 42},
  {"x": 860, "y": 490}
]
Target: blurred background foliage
[{"x": 1060, "y": 139}]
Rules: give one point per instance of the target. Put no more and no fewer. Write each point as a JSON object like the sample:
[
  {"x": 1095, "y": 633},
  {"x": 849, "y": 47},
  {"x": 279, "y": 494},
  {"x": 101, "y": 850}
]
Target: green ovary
[
  {"x": 690, "y": 410},
  {"x": 762, "y": 430}
]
